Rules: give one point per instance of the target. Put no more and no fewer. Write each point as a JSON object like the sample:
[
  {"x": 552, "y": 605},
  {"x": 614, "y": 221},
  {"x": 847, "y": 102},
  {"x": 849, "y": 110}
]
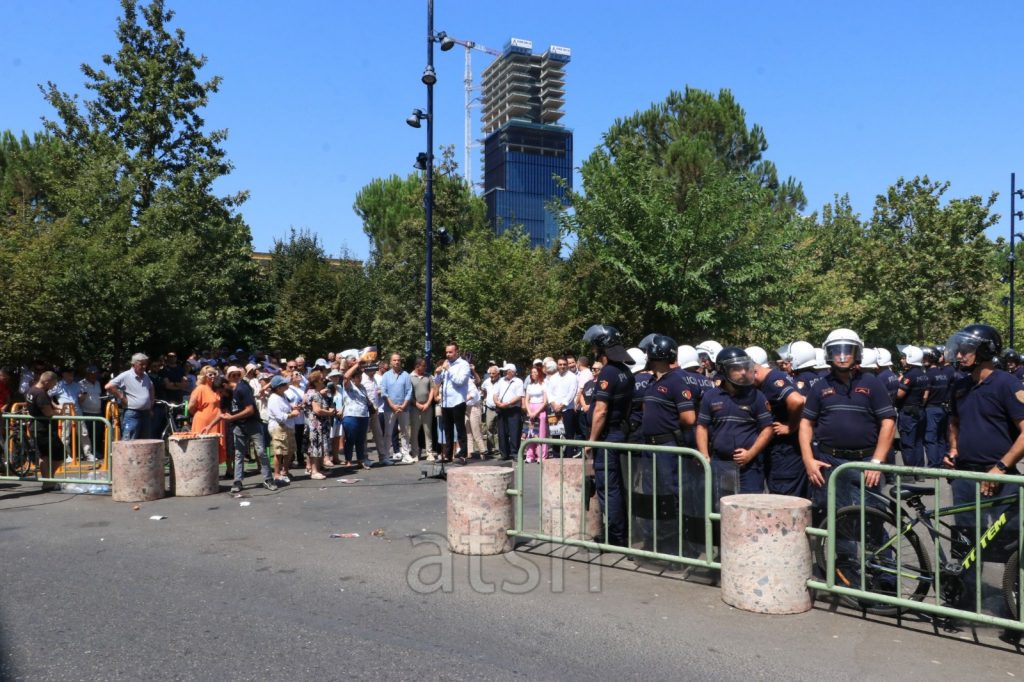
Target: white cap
[
  {"x": 537, "y": 361},
  {"x": 508, "y": 366},
  {"x": 758, "y": 355},
  {"x": 350, "y": 353},
  {"x": 687, "y": 357}
]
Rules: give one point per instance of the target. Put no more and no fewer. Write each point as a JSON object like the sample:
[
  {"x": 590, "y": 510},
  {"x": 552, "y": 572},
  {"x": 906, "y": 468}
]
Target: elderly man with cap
[
  {"x": 245, "y": 429},
  {"x": 508, "y": 401},
  {"x": 281, "y": 425},
  {"x": 134, "y": 390}
]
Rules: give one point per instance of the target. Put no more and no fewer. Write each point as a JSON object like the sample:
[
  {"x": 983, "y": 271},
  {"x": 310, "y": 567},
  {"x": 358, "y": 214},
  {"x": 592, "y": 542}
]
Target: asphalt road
[{"x": 94, "y": 590}]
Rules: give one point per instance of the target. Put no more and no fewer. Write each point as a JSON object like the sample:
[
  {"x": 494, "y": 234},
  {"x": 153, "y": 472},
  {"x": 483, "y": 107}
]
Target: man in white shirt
[
  {"x": 452, "y": 378},
  {"x": 91, "y": 402},
  {"x": 372, "y": 388},
  {"x": 487, "y": 389},
  {"x": 562, "y": 387},
  {"x": 508, "y": 399}
]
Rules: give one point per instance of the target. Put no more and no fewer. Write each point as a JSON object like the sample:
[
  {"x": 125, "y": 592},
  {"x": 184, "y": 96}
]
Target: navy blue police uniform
[
  {"x": 891, "y": 383},
  {"x": 784, "y": 468},
  {"x": 615, "y": 389},
  {"x": 656, "y": 479},
  {"x": 936, "y": 413},
  {"x": 636, "y": 409},
  {"x": 911, "y": 416},
  {"x": 847, "y": 419},
  {"x": 697, "y": 384},
  {"x": 734, "y": 421},
  {"x": 987, "y": 415},
  {"x": 804, "y": 379}
]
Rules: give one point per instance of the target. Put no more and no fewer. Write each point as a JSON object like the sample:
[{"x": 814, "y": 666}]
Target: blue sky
[{"x": 315, "y": 93}]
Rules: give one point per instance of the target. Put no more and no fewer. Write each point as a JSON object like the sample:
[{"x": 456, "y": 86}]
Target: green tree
[
  {"x": 682, "y": 227},
  {"x": 162, "y": 260}
]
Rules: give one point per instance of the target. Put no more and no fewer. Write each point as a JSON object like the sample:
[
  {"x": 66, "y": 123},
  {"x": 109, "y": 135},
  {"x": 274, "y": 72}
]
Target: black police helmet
[
  {"x": 930, "y": 353},
  {"x": 659, "y": 347},
  {"x": 602, "y": 336},
  {"x": 981, "y": 339},
  {"x": 730, "y": 358},
  {"x": 1010, "y": 355}
]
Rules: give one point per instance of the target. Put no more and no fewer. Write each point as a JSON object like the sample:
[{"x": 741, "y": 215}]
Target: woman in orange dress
[{"x": 204, "y": 406}]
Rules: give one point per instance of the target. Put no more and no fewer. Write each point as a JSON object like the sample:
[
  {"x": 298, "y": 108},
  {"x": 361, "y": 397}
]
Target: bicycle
[
  {"x": 177, "y": 418},
  {"x": 913, "y": 577}
]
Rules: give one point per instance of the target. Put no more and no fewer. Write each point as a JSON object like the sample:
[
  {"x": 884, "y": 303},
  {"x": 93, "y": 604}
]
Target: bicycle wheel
[
  {"x": 1011, "y": 585},
  {"x": 911, "y": 580}
]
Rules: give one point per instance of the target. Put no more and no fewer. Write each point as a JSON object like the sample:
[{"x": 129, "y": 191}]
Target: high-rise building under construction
[{"x": 527, "y": 152}]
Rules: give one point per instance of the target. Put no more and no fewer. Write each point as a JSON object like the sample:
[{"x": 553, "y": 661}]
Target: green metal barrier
[
  {"x": 706, "y": 502},
  {"x": 924, "y": 579},
  {"x": 22, "y": 450}
]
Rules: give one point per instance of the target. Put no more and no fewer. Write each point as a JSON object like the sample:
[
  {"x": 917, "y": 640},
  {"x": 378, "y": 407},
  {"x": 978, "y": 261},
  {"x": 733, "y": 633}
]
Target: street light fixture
[
  {"x": 421, "y": 161},
  {"x": 447, "y": 42},
  {"x": 429, "y": 77},
  {"x": 415, "y": 117}
]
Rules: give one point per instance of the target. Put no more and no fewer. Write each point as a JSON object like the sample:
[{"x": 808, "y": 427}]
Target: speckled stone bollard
[
  {"x": 137, "y": 470},
  {"x": 480, "y": 510},
  {"x": 561, "y": 488},
  {"x": 195, "y": 464},
  {"x": 766, "y": 554}
]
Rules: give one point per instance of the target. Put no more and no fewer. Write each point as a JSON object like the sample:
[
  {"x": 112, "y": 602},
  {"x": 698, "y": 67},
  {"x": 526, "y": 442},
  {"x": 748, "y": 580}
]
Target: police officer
[
  {"x": 911, "y": 398},
  {"x": 641, "y": 377},
  {"x": 847, "y": 417},
  {"x": 804, "y": 374},
  {"x": 784, "y": 467},
  {"x": 886, "y": 375},
  {"x": 986, "y": 434},
  {"x": 667, "y": 413},
  {"x": 707, "y": 351},
  {"x": 936, "y": 408},
  {"x": 608, "y": 415},
  {"x": 734, "y": 426},
  {"x": 1011, "y": 360},
  {"x": 688, "y": 361}
]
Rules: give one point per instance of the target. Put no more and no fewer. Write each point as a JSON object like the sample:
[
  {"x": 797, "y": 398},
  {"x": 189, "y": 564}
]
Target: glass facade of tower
[
  {"x": 527, "y": 167},
  {"x": 527, "y": 153}
]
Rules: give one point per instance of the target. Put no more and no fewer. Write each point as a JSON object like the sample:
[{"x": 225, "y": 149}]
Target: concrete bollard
[
  {"x": 480, "y": 510},
  {"x": 137, "y": 470},
  {"x": 195, "y": 464},
  {"x": 562, "y": 491},
  {"x": 766, "y": 554}
]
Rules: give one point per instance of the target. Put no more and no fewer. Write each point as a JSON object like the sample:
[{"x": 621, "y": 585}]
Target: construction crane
[{"x": 468, "y": 80}]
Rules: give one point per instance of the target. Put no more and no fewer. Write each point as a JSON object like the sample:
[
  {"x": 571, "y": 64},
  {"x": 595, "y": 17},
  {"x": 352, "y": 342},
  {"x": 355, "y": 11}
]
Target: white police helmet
[
  {"x": 758, "y": 355},
  {"x": 884, "y": 357},
  {"x": 639, "y": 359},
  {"x": 709, "y": 348},
  {"x": 914, "y": 355},
  {"x": 687, "y": 357},
  {"x": 869, "y": 359},
  {"x": 802, "y": 354},
  {"x": 843, "y": 342},
  {"x": 820, "y": 361}
]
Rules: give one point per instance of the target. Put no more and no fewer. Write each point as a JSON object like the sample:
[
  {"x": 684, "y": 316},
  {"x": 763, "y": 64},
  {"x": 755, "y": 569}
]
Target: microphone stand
[{"x": 441, "y": 475}]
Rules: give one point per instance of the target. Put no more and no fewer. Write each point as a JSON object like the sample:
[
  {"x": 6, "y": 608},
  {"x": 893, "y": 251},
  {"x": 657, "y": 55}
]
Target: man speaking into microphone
[{"x": 452, "y": 376}]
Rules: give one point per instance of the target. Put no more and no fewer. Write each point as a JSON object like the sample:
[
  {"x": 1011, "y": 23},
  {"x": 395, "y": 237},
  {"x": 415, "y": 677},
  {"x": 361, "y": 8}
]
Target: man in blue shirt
[
  {"x": 452, "y": 377},
  {"x": 396, "y": 387},
  {"x": 608, "y": 416},
  {"x": 986, "y": 435},
  {"x": 910, "y": 399},
  {"x": 784, "y": 468},
  {"x": 936, "y": 409},
  {"x": 847, "y": 417}
]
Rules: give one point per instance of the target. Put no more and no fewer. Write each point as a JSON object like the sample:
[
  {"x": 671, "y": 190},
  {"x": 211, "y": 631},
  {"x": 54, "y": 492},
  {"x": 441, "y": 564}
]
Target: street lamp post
[
  {"x": 426, "y": 163},
  {"x": 1014, "y": 214}
]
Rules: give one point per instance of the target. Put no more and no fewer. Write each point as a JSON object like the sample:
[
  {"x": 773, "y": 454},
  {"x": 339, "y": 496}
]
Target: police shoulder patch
[
  {"x": 827, "y": 392},
  {"x": 687, "y": 395},
  {"x": 780, "y": 382},
  {"x": 604, "y": 385},
  {"x": 718, "y": 382},
  {"x": 906, "y": 381},
  {"x": 800, "y": 385},
  {"x": 1020, "y": 396}
]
